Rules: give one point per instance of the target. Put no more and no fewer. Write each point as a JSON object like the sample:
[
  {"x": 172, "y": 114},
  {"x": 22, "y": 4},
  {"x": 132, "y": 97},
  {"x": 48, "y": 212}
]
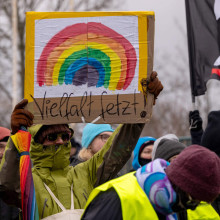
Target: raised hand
[
  {"x": 195, "y": 121},
  {"x": 154, "y": 85},
  {"x": 21, "y": 117}
]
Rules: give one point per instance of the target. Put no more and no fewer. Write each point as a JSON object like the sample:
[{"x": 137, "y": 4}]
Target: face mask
[
  {"x": 53, "y": 156},
  {"x": 143, "y": 161}
]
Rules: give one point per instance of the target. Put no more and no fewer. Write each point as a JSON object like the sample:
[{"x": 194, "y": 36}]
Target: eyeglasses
[
  {"x": 54, "y": 136},
  {"x": 104, "y": 137}
]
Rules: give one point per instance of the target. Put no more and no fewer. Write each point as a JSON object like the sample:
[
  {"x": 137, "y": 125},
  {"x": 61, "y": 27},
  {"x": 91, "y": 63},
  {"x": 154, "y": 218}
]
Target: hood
[
  {"x": 53, "y": 157},
  {"x": 141, "y": 141},
  {"x": 34, "y": 129}
]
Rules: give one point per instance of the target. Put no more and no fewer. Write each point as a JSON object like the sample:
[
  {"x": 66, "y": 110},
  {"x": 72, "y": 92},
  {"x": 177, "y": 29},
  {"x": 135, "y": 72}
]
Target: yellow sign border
[{"x": 30, "y": 40}]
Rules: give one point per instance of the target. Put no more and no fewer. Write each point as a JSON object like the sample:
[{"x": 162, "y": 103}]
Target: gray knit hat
[
  {"x": 156, "y": 143},
  {"x": 168, "y": 148}
]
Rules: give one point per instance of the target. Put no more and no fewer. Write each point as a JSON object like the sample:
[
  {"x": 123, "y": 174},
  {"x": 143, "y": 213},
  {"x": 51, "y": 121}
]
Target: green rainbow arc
[{"x": 87, "y": 53}]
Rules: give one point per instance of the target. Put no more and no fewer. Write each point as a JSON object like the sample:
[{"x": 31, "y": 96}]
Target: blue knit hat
[{"x": 90, "y": 131}]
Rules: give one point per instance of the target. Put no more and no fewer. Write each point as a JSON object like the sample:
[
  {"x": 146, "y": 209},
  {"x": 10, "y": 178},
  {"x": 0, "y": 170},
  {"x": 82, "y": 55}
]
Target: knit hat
[
  {"x": 168, "y": 148},
  {"x": 196, "y": 172},
  {"x": 48, "y": 129},
  {"x": 90, "y": 131},
  {"x": 167, "y": 136},
  {"x": 210, "y": 138},
  {"x": 4, "y": 134}
]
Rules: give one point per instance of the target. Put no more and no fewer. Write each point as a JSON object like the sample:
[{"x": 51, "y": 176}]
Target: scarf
[{"x": 155, "y": 183}]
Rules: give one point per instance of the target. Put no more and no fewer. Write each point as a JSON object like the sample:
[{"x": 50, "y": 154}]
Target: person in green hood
[{"x": 50, "y": 150}]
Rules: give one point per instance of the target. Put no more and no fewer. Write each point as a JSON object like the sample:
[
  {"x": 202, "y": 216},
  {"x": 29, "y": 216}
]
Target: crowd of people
[{"x": 169, "y": 180}]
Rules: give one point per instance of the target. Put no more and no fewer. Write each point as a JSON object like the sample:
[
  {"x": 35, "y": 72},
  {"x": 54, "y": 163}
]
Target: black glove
[{"x": 195, "y": 121}]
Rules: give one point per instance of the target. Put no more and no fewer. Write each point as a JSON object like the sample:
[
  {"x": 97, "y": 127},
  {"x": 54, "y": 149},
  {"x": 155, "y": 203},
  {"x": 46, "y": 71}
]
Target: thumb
[
  {"x": 21, "y": 104},
  {"x": 153, "y": 75}
]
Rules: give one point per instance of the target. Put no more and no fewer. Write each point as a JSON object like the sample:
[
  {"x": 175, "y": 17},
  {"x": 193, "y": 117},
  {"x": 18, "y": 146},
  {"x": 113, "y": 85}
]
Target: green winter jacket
[{"x": 51, "y": 166}]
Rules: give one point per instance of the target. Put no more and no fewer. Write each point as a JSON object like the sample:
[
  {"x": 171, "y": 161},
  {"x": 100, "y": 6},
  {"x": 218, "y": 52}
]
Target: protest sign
[{"x": 88, "y": 66}]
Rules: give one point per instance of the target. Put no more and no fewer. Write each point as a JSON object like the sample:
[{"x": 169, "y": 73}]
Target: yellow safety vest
[
  {"x": 203, "y": 212},
  {"x": 130, "y": 193}
]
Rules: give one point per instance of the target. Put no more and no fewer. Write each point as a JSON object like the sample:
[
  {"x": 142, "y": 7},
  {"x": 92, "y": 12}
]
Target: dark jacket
[
  {"x": 74, "y": 160},
  {"x": 196, "y": 136},
  {"x": 8, "y": 212},
  {"x": 216, "y": 205}
]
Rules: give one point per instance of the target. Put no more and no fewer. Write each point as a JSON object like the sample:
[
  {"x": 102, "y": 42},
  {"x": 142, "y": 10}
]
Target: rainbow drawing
[{"x": 89, "y": 53}]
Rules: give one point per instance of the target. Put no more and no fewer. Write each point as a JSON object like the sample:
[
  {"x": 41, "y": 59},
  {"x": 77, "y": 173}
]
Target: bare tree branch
[
  {"x": 78, "y": 5},
  {"x": 5, "y": 52},
  {"x": 2, "y": 88},
  {"x": 5, "y": 35},
  {"x": 7, "y": 10}
]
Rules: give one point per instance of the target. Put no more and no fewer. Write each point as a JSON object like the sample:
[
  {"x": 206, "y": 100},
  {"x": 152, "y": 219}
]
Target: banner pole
[
  {"x": 14, "y": 49},
  {"x": 71, "y": 5},
  {"x": 193, "y": 103}
]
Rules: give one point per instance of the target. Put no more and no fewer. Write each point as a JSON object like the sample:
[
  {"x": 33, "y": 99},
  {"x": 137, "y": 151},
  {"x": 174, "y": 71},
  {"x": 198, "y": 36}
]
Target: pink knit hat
[
  {"x": 196, "y": 171},
  {"x": 4, "y": 132}
]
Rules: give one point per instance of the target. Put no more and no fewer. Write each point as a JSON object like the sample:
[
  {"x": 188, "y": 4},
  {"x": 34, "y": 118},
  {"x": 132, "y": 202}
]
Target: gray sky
[
  {"x": 166, "y": 11},
  {"x": 170, "y": 34},
  {"x": 169, "y": 16}
]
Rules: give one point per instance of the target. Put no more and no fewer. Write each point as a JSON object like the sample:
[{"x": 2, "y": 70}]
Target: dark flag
[{"x": 203, "y": 28}]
